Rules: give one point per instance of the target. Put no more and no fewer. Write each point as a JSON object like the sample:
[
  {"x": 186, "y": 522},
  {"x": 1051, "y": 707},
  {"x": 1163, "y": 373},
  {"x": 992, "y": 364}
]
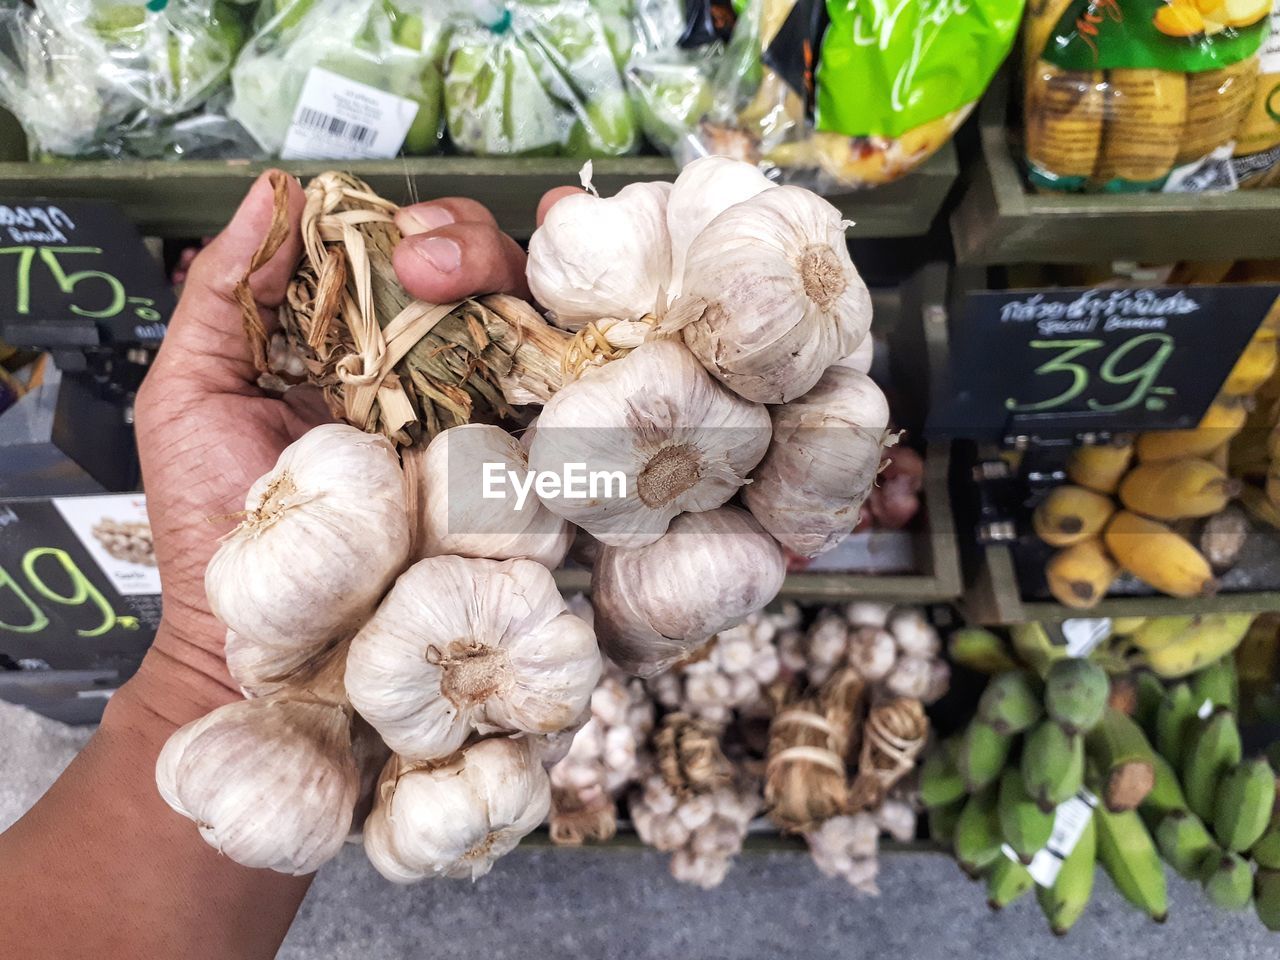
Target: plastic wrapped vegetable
[
  {"x": 341, "y": 79},
  {"x": 1156, "y": 95},
  {"x": 87, "y": 77},
  {"x": 536, "y": 77},
  {"x": 890, "y": 85}
]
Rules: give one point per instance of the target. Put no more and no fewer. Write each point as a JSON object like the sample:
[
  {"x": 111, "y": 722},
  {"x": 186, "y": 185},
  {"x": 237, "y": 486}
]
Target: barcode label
[
  {"x": 1069, "y": 821},
  {"x": 1084, "y": 634},
  {"x": 337, "y": 118}
]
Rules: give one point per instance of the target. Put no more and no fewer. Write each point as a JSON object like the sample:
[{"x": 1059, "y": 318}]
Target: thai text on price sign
[{"x": 1062, "y": 362}]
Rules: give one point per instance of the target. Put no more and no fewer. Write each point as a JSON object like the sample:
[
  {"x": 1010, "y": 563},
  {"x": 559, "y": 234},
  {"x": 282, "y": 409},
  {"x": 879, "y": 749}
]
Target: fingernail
[
  {"x": 422, "y": 219},
  {"x": 441, "y": 252}
]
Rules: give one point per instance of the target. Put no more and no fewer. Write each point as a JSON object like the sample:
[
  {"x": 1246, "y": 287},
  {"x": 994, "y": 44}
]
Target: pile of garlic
[{"x": 848, "y": 846}]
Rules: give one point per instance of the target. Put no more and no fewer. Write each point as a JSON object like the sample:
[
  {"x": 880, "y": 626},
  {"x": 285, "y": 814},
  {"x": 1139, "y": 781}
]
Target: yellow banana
[
  {"x": 1128, "y": 626},
  {"x": 1177, "y": 489},
  {"x": 1213, "y": 636},
  {"x": 1100, "y": 467},
  {"x": 1221, "y": 422},
  {"x": 1070, "y": 514},
  {"x": 1159, "y": 632},
  {"x": 1155, "y": 554},
  {"x": 1146, "y": 110},
  {"x": 1079, "y": 576},
  {"x": 1254, "y": 367},
  {"x": 1259, "y": 506}
]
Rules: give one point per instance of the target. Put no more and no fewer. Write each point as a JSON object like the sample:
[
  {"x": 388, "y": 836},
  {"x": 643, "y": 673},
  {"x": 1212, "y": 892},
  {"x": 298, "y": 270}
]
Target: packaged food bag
[
  {"x": 535, "y": 78},
  {"x": 1255, "y": 160},
  {"x": 341, "y": 79},
  {"x": 84, "y": 77},
  {"x": 1139, "y": 95},
  {"x": 836, "y": 94}
]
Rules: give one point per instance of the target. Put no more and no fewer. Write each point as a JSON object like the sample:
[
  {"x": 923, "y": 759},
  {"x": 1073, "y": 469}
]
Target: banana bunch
[
  {"x": 1212, "y": 811},
  {"x": 1255, "y": 452},
  {"x": 1129, "y": 503},
  {"x": 996, "y": 792},
  {"x": 1174, "y": 647}
]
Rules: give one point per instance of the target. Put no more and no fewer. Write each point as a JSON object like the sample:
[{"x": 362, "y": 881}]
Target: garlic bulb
[
  {"x": 326, "y": 533},
  {"x": 826, "y": 450},
  {"x": 783, "y": 300},
  {"x": 599, "y": 257},
  {"x": 896, "y": 818},
  {"x": 705, "y": 188},
  {"x": 872, "y": 652},
  {"x": 863, "y": 613},
  {"x": 846, "y": 847},
  {"x": 913, "y": 632},
  {"x": 271, "y": 782},
  {"x": 660, "y": 437},
  {"x": 735, "y": 675},
  {"x": 261, "y": 670},
  {"x": 659, "y": 603},
  {"x": 862, "y": 358},
  {"x": 470, "y": 496},
  {"x": 454, "y": 819},
  {"x": 465, "y": 645}
]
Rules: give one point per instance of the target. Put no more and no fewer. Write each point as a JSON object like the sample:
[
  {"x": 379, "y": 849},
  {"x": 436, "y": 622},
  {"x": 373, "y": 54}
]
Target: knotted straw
[
  {"x": 893, "y": 737},
  {"x": 384, "y": 361}
]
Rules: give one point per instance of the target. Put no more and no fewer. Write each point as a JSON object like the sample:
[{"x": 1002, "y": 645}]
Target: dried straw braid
[{"x": 893, "y": 737}]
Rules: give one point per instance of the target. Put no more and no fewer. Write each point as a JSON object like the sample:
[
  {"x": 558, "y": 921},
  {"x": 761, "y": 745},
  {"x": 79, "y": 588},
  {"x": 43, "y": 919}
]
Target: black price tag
[
  {"x": 1058, "y": 363},
  {"x": 78, "y": 590},
  {"x": 75, "y": 273}
]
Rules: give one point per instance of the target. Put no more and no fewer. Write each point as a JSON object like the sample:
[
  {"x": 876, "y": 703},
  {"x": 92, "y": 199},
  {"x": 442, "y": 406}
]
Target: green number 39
[{"x": 1143, "y": 376}]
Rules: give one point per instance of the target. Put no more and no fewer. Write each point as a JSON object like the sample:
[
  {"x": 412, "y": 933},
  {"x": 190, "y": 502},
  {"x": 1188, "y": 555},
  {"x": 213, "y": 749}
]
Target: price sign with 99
[
  {"x": 77, "y": 262},
  {"x": 1068, "y": 361}
]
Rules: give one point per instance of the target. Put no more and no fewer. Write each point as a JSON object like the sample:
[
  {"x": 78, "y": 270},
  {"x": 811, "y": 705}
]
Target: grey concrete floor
[{"x": 608, "y": 903}]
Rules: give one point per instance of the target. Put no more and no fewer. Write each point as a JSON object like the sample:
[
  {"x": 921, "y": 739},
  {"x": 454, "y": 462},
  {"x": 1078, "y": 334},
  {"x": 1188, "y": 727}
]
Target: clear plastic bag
[
  {"x": 339, "y": 79},
  {"x": 81, "y": 74},
  {"x": 536, "y": 78},
  {"x": 850, "y": 93},
  {"x": 1161, "y": 95}
]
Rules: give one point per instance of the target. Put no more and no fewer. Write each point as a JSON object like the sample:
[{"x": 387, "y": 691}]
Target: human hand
[{"x": 206, "y": 431}]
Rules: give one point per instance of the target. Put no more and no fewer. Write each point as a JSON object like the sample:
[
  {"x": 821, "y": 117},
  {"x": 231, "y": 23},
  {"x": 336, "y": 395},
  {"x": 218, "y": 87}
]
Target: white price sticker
[
  {"x": 338, "y": 118},
  {"x": 1084, "y": 634},
  {"x": 1206, "y": 710},
  {"x": 1069, "y": 822}
]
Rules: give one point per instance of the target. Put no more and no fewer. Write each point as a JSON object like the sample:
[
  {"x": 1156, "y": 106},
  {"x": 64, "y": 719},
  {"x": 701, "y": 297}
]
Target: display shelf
[
  {"x": 193, "y": 198},
  {"x": 993, "y": 597},
  {"x": 1000, "y": 221}
]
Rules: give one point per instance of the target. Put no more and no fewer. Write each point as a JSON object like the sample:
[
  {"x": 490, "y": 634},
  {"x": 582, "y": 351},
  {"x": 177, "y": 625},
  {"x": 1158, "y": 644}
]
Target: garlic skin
[
  {"x": 862, "y": 358},
  {"x": 872, "y": 652},
  {"x": 457, "y": 818},
  {"x": 659, "y": 603},
  {"x": 464, "y": 645},
  {"x": 809, "y": 489},
  {"x": 705, "y": 189},
  {"x": 261, "y": 670},
  {"x": 680, "y": 441},
  {"x": 271, "y": 783},
  {"x": 847, "y": 847},
  {"x": 864, "y": 613},
  {"x": 783, "y": 300},
  {"x": 451, "y": 515},
  {"x": 599, "y": 257},
  {"x": 326, "y": 533},
  {"x": 914, "y": 634}
]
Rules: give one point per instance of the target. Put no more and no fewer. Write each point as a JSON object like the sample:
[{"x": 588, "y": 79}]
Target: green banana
[
  {"x": 1075, "y": 694},
  {"x": 1266, "y": 898},
  {"x": 1266, "y": 852},
  {"x": 1024, "y": 826},
  {"x": 1165, "y": 797},
  {"x": 1174, "y": 719},
  {"x": 1218, "y": 683},
  {"x": 1052, "y": 764},
  {"x": 1034, "y": 647},
  {"x": 1243, "y": 804},
  {"x": 1007, "y": 880},
  {"x": 977, "y": 840},
  {"x": 982, "y": 755},
  {"x": 942, "y": 823},
  {"x": 1064, "y": 902},
  {"x": 1150, "y": 693},
  {"x": 1212, "y": 749},
  {"x": 1228, "y": 881},
  {"x": 980, "y": 650},
  {"x": 1011, "y": 703},
  {"x": 1185, "y": 843},
  {"x": 1127, "y": 853},
  {"x": 940, "y": 780},
  {"x": 1125, "y": 761}
]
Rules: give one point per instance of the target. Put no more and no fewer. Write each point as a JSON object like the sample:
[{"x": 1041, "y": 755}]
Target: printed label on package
[
  {"x": 1069, "y": 822},
  {"x": 115, "y": 532},
  {"x": 338, "y": 118}
]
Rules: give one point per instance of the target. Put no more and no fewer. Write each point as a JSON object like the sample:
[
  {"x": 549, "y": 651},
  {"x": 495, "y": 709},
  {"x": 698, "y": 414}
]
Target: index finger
[{"x": 552, "y": 197}]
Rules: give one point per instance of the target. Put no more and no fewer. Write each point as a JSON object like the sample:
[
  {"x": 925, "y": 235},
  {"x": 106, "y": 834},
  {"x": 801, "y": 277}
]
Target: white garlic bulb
[
  {"x": 456, "y": 818},
  {"x": 862, "y": 358},
  {"x": 847, "y": 847},
  {"x": 705, "y": 188},
  {"x": 703, "y": 832},
  {"x": 261, "y": 670},
  {"x": 471, "y": 496},
  {"x": 872, "y": 652},
  {"x": 660, "y": 436},
  {"x": 783, "y": 300},
  {"x": 896, "y": 818},
  {"x": 864, "y": 613},
  {"x": 915, "y": 635},
  {"x": 466, "y": 645},
  {"x": 271, "y": 782},
  {"x": 659, "y": 603},
  {"x": 599, "y": 257},
  {"x": 911, "y": 677},
  {"x": 326, "y": 533},
  {"x": 809, "y": 489}
]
